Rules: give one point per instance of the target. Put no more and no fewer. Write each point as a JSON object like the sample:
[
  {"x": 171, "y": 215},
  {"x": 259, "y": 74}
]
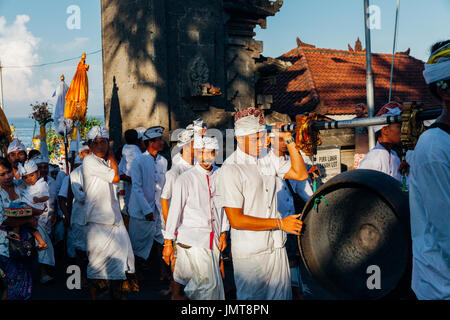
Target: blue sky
[{"x": 35, "y": 32}]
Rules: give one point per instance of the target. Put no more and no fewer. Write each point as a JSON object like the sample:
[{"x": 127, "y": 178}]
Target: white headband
[
  {"x": 16, "y": 145},
  {"x": 140, "y": 131},
  {"x": 184, "y": 137},
  {"x": 40, "y": 159},
  {"x": 97, "y": 132},
  {"x": 29, "y": 167},
  {"x": 248, "y": 125},
  {"x": 390, "y": 112},
  {"x": 437, "y": 71},
  {"x": 206, "y": 143}
]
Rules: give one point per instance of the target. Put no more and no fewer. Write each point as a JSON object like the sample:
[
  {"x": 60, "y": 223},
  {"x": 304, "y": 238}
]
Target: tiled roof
[{"x": 334, "y": 81}]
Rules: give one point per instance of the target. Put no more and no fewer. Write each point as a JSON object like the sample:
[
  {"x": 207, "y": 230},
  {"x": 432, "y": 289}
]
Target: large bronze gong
[{"x": 366, "y": 223}]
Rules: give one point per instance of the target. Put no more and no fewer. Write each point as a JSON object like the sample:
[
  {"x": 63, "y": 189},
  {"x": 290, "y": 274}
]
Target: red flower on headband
[{"x": 252, "y": 111}]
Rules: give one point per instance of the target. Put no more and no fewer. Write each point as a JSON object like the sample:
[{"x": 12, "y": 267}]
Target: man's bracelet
[{"x": 290, "y": 140}]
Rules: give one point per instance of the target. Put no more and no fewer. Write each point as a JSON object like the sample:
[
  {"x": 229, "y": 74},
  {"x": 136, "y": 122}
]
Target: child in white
[{"x": 35, "y": 193}]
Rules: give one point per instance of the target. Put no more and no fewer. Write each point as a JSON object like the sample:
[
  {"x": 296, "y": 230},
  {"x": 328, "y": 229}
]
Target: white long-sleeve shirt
[
  {"x": 380, "y": 159},
  {"x": 195, "y": 215},
  {"x": 429, "y": 201},
  {"x": 101, "y": 205},
  {"x": 249, "y": 183},
  {"x": 160, "y": 180},
  {"x": 142, "y": 198},
  {"x": 39, "y": 189}
]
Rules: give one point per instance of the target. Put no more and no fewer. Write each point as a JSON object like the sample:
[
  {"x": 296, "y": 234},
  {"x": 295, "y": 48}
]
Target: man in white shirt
[
  {"x": 185, "y": 162},
  {"x": 382, "y": 157},
  {"x": 130, "y": 151},
  {"x": 247, "y": 187},
  {"x": 109, "y": 248},
  {"x": 292, "y": 195},
  {"x": 198, "y": 223},
  {"x": 146, "y": 171},
  {"x": 429, "y": 189}
]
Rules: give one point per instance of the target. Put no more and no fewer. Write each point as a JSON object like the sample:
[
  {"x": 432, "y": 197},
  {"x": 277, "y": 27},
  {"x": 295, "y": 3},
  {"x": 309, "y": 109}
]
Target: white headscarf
[
  {"x": 390, "y": 109},
  {"x": 438, "y": 66},
  {"x": 206, "y": 143},
  {"x": 248, "y": 121},
  {"x": 97, "y": 132},
  {"x": 29, "y": 167},
  {"x": 16, "y": 145}
]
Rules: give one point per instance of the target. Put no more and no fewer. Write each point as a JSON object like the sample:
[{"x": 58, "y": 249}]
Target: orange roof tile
[{"x": 337, "y": 80}]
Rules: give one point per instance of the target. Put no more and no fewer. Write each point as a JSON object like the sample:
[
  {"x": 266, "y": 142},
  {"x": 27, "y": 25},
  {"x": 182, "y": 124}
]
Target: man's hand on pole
[{"x": 292, "y": 224}]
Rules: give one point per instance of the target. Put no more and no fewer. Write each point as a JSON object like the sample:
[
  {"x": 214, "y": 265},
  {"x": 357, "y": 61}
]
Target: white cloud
[{"x": 18, "y": 47}]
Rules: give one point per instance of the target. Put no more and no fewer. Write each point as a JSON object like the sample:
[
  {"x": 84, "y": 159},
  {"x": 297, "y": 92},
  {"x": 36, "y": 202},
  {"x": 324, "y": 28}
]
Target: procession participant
[
  {"x": 185, "y": 162},
  {"x": 292, "y": 196},
  {"x": 130, "y": 151},
  {"x": 33, "y": 153},
  {"x": 17, "y": 273},
  {"x": 47, "y": 220},
  {"x": 247, "y": 185},
  {"x": 382, "y": 158},
  {"x": 16, "y": 153},
  {"x": 429, "y": 189},
  {"x": 108, "y": 245},
  {"x": 148, "y": 170},
  {"x": 198, "y": 223}
]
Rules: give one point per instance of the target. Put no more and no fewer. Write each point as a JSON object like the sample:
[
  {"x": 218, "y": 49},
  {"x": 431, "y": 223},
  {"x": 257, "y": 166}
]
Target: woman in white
[{"x": 198, "y": 223}]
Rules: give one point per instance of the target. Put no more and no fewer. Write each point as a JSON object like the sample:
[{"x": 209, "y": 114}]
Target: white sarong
[
  {"x": 198, "y": 269},
  {"x": 264, "y": 276},
  {"x": 109, "y": 251}
]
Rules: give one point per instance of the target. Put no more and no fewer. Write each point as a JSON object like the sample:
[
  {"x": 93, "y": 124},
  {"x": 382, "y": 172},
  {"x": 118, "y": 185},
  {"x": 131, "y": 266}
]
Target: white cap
[
  {"x": 206, "y": 143},
  {"x": 97, "y": 132},
  {"x": 29, "y": 167},
  {"x": 248, "y": 121},
  {"x": 16, "y": 145},
  {"x": 153, "y": 132},
  {"x": 40, "y": 159}
]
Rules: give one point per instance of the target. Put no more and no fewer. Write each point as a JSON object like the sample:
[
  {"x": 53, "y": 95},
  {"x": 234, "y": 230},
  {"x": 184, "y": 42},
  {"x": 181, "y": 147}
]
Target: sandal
[
  {"x": 13, "y": 236},
  {"x": 42, "y": 247}
]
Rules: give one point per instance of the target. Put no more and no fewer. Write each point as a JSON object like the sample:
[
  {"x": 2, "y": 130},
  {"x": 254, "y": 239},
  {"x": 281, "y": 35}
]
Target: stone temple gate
[{"x": 164, "y": 59}]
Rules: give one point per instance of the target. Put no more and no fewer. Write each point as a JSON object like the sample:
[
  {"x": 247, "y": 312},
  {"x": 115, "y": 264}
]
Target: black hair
[
  {"x": 433, "y": 86},
  {"x": 4, "y": 162},
  {"x": 33, "y": 153},
  {"x": 378, "y": 135},
  {"x": 131, "y": 136}
]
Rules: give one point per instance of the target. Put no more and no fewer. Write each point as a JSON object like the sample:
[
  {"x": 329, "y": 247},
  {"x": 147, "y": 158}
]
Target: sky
[{"x": 39, "y": 32}]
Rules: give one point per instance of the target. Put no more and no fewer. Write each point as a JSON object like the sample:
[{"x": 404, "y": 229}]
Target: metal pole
[
  {"x": 393, "y": 49},
  {"x": 360, "y": 122},
  {"x": 1, "y": 86},
  {"x": 369, "y": 76}
]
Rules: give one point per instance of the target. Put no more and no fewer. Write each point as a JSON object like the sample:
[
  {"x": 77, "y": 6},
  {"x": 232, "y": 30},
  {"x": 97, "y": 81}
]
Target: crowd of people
[{"x": 110, "y": 212}]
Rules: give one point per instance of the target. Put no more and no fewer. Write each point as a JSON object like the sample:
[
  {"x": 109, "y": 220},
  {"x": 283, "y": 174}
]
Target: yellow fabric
[
  {"x": 77, "y": 95},
  {"x": 74, "y": 133},
  {"x": 442, "y": 53}
]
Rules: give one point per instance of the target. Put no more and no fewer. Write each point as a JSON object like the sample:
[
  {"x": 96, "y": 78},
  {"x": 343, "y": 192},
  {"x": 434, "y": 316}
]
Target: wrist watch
[{"x": 290, "y": 140}]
